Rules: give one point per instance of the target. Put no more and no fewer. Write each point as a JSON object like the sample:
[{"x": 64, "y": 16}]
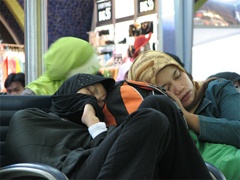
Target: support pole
[
  {"x": 184, "y": 31},
  {"x": 35, "y": 37}
]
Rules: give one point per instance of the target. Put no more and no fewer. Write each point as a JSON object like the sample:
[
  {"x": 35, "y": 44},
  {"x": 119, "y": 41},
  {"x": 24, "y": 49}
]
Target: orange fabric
[
  {"x": 143, "y": 85},
  {"x": 109, "y": 118},
  {"x": 131, "y": 98},
  {"x": 126, "y": 100},
  {"x": 5, "y": 68}
]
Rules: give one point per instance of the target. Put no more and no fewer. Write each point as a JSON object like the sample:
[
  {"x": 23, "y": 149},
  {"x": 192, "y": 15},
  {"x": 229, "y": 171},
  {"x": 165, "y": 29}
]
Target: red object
[{"x": 139, "y": 42}]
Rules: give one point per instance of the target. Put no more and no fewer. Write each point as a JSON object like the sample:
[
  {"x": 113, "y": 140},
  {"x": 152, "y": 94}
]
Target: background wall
[{"x": 65, "y": 18}]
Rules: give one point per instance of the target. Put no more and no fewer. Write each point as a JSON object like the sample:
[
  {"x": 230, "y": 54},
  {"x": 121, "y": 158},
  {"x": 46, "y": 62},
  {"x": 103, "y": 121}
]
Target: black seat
[{"x": 8, "y": 106}]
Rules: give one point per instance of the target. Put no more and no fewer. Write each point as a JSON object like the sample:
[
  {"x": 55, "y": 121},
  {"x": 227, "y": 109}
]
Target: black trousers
[{"x": 152, "y": 143}]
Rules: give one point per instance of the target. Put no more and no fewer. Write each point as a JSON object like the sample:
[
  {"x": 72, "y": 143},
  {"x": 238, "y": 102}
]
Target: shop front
[{"x": 118, "y": 24}]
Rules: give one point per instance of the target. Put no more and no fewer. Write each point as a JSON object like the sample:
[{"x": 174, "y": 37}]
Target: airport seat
[{"x": 8, "y": 106}]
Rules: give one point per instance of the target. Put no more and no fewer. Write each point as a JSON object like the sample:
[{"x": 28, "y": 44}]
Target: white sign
[
  {"x": 147, "y": 5},
  {"x": 104, "y": 11}
]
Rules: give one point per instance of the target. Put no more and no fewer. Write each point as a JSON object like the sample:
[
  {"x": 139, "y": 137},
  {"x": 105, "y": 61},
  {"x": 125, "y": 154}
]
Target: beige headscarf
[{"x": 147, "y": 65}]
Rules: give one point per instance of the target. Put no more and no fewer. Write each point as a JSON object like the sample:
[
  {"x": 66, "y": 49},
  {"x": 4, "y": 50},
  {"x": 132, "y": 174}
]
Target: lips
[{"x": 185, "y": 96}]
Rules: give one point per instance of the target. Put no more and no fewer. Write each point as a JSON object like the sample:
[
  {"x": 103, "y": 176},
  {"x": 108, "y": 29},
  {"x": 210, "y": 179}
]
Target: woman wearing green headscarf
[
  {"x": 211, "y": 108},
  {"x": 66, "y": 57}
]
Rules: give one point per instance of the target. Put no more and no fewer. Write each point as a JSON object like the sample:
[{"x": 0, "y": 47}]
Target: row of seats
[{"x": 8, "y": 106}]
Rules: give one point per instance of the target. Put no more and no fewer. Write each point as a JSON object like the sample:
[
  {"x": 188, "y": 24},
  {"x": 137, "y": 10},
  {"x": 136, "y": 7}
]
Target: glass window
[
  {"x": 216, "y": 37},
  {"x": 218, "y": 13}
]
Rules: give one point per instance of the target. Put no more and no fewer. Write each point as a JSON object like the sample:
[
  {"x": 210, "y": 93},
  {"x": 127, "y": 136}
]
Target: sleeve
[
  {"x": 97, "y": 129},
  {"x": 224, "y": 124}
]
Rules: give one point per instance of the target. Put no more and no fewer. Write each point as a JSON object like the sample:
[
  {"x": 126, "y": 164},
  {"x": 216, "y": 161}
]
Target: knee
[
  {"x": 19, "y": 119},
  {"x": 158, "y": 119},
  {"x": 151, "y": 119},
  {"x": 19, "y": 115}
]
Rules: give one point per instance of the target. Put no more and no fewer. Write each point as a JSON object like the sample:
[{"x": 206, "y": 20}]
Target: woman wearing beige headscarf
[{"x": 211, "y": 108}]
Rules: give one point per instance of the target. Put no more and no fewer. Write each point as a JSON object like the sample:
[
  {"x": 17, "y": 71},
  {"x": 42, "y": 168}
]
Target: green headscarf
[{"x": 66, "y": 57}]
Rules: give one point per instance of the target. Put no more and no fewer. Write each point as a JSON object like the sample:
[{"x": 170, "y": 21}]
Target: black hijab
[{"x": 69, "y": 104}]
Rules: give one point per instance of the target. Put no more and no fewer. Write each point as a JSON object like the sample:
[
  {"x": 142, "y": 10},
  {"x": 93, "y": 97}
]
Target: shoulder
[
  {"x": 219, "y": 84},
  {"x": 44, "y": 86},
  {"x": 28, "y": 92},
  {"x": 221, "y": 87}
]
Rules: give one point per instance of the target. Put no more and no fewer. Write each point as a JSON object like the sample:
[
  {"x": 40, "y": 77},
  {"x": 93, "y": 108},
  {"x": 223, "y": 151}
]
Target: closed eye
[
  {"x": 89, "y": 90},
  {"x": 177, "y": 74}
]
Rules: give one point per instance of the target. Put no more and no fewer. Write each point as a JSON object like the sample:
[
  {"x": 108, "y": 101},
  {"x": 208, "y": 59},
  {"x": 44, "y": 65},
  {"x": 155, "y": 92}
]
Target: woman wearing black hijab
[
  {"x": 61, "y": 137},
  {"x": 73, "y": 138}
]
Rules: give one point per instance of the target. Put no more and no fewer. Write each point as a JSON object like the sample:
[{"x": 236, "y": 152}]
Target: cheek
[
  {"x": 158, "y": 82},
  {"x": 187, "y": 80},
  {"x": 175, "y": 87},
  {"x": 191, "y": 85}
]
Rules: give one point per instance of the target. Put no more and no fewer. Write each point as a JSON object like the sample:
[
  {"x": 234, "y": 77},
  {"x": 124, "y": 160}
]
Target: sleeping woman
[{"x": 211, "y": 107}]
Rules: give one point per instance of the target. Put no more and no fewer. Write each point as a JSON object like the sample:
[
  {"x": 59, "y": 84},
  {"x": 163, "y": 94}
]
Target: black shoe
[
  {"x": 109, "y": 42},
  {"x": 123, "y": 41},
  {"x": 103, "y": 32}
]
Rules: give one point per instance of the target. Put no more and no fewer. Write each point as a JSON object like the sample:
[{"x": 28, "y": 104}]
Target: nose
[{"x": 177, "y": 89}]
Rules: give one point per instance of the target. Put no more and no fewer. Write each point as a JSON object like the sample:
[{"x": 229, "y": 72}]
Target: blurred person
[
  {"x": 141, "y": 43},
  {"x": 15, "y": 83},
  {"x": 124, "y": 67},
  {"x": 66, "y": 57}
]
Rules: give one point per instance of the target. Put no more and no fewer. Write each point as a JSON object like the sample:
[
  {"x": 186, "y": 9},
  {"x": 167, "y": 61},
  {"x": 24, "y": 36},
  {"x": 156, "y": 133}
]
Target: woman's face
[
  {"x": 96, "y": 90},
  {"x": 178, "y": 83}
]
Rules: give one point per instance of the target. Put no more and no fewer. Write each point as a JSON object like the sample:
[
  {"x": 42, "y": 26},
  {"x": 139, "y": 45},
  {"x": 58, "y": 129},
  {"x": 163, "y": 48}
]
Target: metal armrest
[
  {"x": 215, "y": 173},
  {"x": 32, "y": 170},
  {"x": 44, "y": 171}
]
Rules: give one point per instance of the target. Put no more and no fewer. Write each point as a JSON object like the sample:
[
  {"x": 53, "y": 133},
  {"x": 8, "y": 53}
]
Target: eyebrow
[{"x": 174, "y": 73}]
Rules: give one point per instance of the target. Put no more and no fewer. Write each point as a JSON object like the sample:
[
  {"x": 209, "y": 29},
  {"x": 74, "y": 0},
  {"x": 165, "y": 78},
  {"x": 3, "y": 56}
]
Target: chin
[{"x": 187, "y": 103}]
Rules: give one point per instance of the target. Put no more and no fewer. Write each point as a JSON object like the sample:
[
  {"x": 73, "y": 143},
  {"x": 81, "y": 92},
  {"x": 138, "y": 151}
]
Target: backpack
[{"x": 125, "y": 98}]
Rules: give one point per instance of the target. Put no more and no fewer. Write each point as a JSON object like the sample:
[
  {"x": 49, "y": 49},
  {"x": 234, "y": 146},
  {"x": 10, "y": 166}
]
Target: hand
[
  {"x": 192, "y": 119},
  {"x": 89, "y": 117},
  {"x": 176, "y": 100}
]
